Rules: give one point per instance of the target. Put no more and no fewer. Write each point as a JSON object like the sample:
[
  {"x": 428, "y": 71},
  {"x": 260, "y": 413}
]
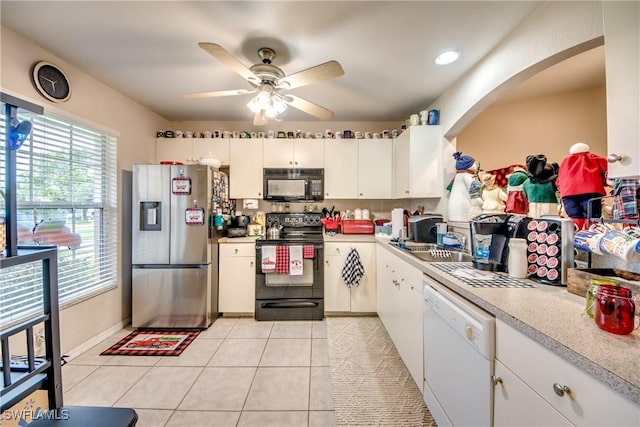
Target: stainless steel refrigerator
[{"x": 173, "y": 254}]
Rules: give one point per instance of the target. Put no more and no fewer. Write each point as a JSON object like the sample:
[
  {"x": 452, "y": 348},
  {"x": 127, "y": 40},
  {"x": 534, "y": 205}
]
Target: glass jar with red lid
[{"x": 614, "y": 309}]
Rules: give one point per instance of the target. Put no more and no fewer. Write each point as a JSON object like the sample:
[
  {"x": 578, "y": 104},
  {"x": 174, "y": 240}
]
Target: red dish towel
[
  {"x": 282, "y": 259},
  {"x": 308, "y": 252}
]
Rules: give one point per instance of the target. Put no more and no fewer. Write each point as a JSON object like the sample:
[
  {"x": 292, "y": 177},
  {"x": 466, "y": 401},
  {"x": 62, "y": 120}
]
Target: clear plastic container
[{"x": 517, "y": 262}]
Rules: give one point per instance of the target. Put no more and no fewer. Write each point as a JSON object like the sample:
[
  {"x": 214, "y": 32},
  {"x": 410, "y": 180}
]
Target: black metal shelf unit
[{"x": 19, "y": 383}]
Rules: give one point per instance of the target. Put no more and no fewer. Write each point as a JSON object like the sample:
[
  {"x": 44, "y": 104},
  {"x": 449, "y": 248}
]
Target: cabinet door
[
  {"x": 341, "y": 168},
  {"x": 175, "y": 150},
  {"x": 622, "y": 63},
  {"x": 386, "y": 290},
  {"x": 410, "y": 337},
  {"x": 425, "y": 161},
  {"x": 589, "y": 402},
  {"x": 336, "y": 293},
  {"x": 237, "y": 293},
  {"x": 216, "y": 147},
  {"x": 278, "y": 153},
  {"x": 401, "y": 174},
  {"x": 308, "y": 153},
  {"x": 245, "y": 168},
  {"x": 515, "y": 404},
  {"x": 375, "y": 161},
  {"x": 363, "y": 296}
]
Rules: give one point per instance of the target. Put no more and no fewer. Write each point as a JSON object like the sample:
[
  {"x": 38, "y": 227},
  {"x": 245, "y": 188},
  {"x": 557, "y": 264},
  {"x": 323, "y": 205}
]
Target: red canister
[{"x": 614, "y": 309}]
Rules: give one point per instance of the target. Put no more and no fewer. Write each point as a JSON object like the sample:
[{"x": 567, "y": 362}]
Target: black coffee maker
[{"x": 490, "y": 234}]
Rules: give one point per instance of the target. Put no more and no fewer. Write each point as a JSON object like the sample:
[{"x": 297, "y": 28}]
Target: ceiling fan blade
[
  {"x": 217, "y": 93},
  {"x": 229, "y": 60},
  {"x": 326, "y": 71},
  {"x": 308, "y": 107},
  {"x": 260, "y": 119}
]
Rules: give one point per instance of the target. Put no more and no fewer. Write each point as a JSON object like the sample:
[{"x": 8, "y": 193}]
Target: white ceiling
[{"x": 148, "y": 50}]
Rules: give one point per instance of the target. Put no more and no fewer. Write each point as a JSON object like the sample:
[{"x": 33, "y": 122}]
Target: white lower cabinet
[
  {"x": 515, "y": 403},
  {"x": 237, "y": 278},
  {"x": 337, "y": 296},
  {"x": 400, "y": 308},
  {"x": 535, "y": 386}
]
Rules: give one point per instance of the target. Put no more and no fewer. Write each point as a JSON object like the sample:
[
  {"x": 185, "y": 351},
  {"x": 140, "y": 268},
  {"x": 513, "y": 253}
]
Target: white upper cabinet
[
  {"x": 622, "y": 62},
  {"x": 341, "y": 168},
  {"x": 245, "y": 171},
  {"x": 375, "y": 168},
  {"x": 293, "y": 153},
  {"x": 189, "y": 150},
  {"x": 417, "y": 163}
]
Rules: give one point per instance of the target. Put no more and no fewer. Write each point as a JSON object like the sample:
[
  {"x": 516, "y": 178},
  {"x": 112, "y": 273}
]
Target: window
[{"x": 66, "y": 196}]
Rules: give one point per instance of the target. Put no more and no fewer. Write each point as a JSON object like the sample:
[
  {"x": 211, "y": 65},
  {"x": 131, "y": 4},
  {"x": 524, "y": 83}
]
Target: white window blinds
[{"x": 66, "y": 196}]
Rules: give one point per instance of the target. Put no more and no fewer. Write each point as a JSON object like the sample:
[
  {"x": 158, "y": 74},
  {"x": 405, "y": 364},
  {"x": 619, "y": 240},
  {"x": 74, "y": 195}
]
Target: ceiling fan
[{"x": 268, "y": 81}]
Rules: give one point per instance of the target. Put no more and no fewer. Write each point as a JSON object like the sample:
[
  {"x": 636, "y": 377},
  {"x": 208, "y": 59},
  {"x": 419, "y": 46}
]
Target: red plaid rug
[{"x": 152, "y": 343}]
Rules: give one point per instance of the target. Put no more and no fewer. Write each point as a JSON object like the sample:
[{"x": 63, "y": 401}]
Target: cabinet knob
[
  {"x": 361, "y": 194},
  {"x": 327, "y": 194},
  {"x": 251, "y": 264},
  {"x": 613, "y": 157},
  {"x": 235, "y": 251},
  {"x": 295, "y": 163},
  {"x": 290, "y": 162},
  {"x": 560, "y": 390},
  {"x": 406, "y": 191},
  {"x": 496, "y": 380}
]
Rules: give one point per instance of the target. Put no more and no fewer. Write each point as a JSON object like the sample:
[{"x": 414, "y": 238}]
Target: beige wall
[
  {"x": 96, "y": 104},
  {"x": 505, "y": 133}
]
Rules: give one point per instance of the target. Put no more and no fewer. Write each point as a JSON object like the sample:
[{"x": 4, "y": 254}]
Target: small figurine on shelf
[
  {"x": 475, "y": 195},
  {"x": 540, "y": 188},
  {"x": 582, "y": 177},
  {"x": 517, "y": 202},
  {"x": 459, "y": 199},
  {"x": 493, "y": 197}
]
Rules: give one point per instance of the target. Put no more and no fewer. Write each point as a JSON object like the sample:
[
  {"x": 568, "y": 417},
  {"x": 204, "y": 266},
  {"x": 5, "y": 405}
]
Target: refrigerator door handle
[{"x": 169, "y": 266}]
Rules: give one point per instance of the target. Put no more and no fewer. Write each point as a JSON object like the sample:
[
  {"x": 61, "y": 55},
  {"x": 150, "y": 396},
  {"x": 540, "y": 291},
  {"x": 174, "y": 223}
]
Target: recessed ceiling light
[{"x": 447, "y": 57}]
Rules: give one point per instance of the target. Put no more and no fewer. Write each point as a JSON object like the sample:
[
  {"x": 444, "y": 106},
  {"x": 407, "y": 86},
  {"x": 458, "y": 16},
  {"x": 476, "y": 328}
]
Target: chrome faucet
[{"x": 461, "y": 238}]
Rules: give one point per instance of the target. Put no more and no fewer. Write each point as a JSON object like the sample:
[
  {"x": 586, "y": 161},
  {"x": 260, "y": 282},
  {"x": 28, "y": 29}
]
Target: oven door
[{"x": 310, "y": 284}]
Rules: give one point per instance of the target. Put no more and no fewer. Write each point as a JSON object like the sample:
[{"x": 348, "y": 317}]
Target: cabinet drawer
[
  {"x": 335, "y": 249},
  {"x": 247, "y": 249},
  {"x": 589, "y": 402},
  {"x": 515, "y": 404}
]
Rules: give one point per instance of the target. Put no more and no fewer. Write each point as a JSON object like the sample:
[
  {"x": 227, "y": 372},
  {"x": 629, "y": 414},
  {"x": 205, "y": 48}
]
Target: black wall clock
[{"x": 51, "y": 82}]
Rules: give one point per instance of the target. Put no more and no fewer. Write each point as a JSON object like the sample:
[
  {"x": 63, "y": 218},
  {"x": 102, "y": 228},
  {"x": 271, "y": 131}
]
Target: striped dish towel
[
  {"x": 308, "y": 252},
  {"x": 282, "y": 259}
]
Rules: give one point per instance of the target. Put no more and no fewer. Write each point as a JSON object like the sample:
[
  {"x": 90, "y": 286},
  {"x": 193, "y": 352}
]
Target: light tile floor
[{"x": 239, "y": 372}]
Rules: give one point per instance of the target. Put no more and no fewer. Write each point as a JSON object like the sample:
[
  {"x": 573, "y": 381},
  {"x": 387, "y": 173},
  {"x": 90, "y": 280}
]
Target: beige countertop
[
  {"x": 237, "y": 239},
  {"x": 554, "y": 318}
]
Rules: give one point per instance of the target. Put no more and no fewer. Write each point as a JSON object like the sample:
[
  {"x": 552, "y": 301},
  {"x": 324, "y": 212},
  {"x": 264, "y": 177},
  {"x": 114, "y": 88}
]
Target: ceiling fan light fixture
[
  {"x": 447, "y": 57},
  {"x": 269, "y": 102}
]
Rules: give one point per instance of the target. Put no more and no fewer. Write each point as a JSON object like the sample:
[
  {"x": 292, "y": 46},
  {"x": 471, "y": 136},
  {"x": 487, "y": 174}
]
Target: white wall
[
  {"x": 553, "y": 32},
  {"x": 96, "y": 104}
]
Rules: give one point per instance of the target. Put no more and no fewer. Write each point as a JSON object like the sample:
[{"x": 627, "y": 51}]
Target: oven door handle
[{"x": 289, "y": 304}]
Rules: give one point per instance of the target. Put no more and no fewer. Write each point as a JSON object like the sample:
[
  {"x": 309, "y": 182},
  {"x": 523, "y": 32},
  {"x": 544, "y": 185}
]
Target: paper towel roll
[{"x": 397, "y": 222}]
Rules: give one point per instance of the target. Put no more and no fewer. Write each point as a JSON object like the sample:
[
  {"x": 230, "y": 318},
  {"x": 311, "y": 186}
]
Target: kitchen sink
[
  {"x": 443, "y": 255},
  {"x": 431, "y": 252}
]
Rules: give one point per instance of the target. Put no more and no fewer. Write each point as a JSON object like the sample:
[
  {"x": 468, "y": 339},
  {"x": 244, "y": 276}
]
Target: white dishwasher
[{"x": 459, "y": 353}]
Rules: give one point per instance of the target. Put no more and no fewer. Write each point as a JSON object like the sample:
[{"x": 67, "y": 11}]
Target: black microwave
[{"x": 291, "y": 185}]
